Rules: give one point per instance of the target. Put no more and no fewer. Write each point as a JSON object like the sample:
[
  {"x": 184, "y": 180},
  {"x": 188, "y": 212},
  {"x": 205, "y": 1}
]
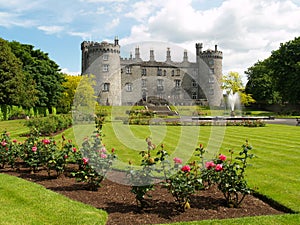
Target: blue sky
[{"x": 245, "y": 30}]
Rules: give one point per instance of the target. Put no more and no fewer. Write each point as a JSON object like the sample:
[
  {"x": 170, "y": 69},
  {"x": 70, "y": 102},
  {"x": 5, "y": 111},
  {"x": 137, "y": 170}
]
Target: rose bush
[{"x": 229, "y": 175}]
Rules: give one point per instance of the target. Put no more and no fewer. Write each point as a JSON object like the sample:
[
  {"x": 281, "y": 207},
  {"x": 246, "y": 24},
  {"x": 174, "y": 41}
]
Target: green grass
[
  {"x": 274, "y": 171},
  {"x": 23, "y": 202}
]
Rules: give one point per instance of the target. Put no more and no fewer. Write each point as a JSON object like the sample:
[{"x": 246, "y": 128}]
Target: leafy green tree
[
  {"x": 67, "y": 98},
  {"x": 277, "y": 78},
  {"x": 45, "y": 72},
  {"x": 85, "y": 99},
  {"x": 284, "y": 64},
  {"x": 11, "y": 78},
  {"x": 232, "y": 83},
  {"x": 261, "y": 85}
]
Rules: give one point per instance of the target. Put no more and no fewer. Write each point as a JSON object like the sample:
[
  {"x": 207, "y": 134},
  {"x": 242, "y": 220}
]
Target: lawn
[
  {"x": 23, "y": 202},
  {"x": 274, "y": 170}
]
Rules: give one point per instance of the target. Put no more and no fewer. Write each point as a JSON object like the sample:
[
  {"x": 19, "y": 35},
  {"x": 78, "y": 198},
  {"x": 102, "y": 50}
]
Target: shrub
[
  {"x": 50, "y": 124},
  {"x": 95, "y": 162},
  {"x": 143, "y": 180},
  {"x": 9, "y": 150},
  {"x": 184, "y": 183},
  {"x": 228, "y": 175}
]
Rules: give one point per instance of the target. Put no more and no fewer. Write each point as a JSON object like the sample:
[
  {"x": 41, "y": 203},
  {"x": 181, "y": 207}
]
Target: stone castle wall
[{"x": 133, "y": 80}]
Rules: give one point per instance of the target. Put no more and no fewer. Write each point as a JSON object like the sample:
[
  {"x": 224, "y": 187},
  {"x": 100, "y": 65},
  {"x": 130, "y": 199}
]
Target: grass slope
[
  {"x": 274, "y": 171},
  {"x": 23, "y": 202}
]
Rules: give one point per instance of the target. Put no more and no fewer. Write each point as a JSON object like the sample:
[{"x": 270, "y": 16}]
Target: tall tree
[
  {"x": 44, "y": 71},
  {"x": 232, "y": 83},
  {"x": 11, "y": 78},
  {"x": 277, "y": 78},
  {"x": 261, "y": 85},
  {"x": 284, "y": 64},
  {"x": 67, "y": 98}
]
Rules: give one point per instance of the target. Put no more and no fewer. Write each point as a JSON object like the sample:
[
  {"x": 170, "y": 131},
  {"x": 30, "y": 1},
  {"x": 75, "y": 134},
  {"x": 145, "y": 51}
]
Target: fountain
[{"x": 233, "y": 101}]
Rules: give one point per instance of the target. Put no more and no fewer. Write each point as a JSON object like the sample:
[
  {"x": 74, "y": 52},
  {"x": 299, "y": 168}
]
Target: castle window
[
  {"x": 144, "y": 72},
  {"x": 211, "y": 62},
  {"x": 128, "y": 69},
  {"x": 177, "y": 83},
  {"x": 211, "y": 80},
  {"x": 160, "y": 85},
  {"x": 178, "y": 72},
  {"x": 159, "y": 72},
  {"x": 211, "y": 71},
  {"x": 105, "y": 57},
  {"x": 165, "y": 73},
  {"x": 195, "y": 72},
  {"x": 106, "y": 87},
  {"x": 144, "y": 82},
  {"x": 128, "y": 87},
  {"x": 172, "y": 73},
  {"x": 194, "y": 95},
  {"x": 105, "y": 68},
  {"x": 194, "y": 83}
]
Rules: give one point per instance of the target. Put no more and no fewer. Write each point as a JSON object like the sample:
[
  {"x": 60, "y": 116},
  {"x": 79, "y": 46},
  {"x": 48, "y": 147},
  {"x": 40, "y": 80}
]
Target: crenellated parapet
[{"x": 102, "y": 47}]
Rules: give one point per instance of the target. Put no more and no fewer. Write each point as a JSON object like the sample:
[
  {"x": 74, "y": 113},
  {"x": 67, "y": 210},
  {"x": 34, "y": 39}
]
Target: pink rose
[
  {"x": 186, "y": 168},
  {"x": 85, "y": 160},
  {"x": 3, "y": 143},
  {"x": 103, "y": 156},
  {"x": 103, "y": 149},
  {"x": 46, "y": 141},
  {"x": 34, "y": 148},
  {"x": 219, "y": 167},
  {"x": 177, "y": 160},
  {"x": 74, "y": 149},
  {"x": 209, "y": 164},
  {"x": 222, "y": 157}
]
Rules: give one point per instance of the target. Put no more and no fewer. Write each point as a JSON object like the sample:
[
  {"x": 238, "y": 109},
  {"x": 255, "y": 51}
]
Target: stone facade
[{"x": 128, "y": 81}]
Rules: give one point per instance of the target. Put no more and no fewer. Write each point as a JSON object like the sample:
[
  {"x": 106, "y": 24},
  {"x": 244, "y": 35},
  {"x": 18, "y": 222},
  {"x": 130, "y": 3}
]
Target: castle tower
[
  {"x": 152, "y": 55},
  {"x": 168, "y": 57},
  {"x": 210, "y": 73},
  {"x": 103, "y": 61}
]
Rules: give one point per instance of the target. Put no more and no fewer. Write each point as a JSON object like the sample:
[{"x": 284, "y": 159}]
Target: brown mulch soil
[{"x": 117, "y": 200}]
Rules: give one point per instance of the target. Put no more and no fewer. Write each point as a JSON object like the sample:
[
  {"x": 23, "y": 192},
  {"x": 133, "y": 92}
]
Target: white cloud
[
  {"x": 66, "y": 71},
  {"x": 112, "y": 24},
  {"x": 13, "y": 19},
  {"x": 99, "y": 1},
  {"x": 246, "y": 31},
  {"x": 51, "y": 29}
]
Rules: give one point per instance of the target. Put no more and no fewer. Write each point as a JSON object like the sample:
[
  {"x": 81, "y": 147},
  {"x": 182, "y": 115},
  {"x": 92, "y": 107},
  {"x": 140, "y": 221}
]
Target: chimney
[
  {"x": 137, "y": 53},
  {"x": 185, "y": 56},
  {"x": 116, "y": 41},
  {"x": 152, "y": 55},
  {"x": 168, "y": 55}
]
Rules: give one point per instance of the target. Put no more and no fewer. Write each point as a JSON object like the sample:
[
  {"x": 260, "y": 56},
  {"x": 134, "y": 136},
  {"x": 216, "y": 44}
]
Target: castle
[{"x": 128, "y": 81}]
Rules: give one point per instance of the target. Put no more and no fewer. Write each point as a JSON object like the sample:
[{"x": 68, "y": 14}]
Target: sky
[{"x": 244, "y": 30}]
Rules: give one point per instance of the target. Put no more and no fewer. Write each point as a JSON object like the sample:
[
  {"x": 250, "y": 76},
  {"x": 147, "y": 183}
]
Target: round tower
[
  {"x": 210, "y": 67},
  {"x": 103, "y": 61}
]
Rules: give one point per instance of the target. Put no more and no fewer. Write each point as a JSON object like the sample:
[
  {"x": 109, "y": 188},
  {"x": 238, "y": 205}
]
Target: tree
[
  {"x": 67, "y": 98},
  {"x": 44, "y": 71},
  {"x": 232, "y": 83},
  {"x": 277, "y": 78},
  {"x": 261, "y": 85},
  {"x": 11, "y": 78},
  {"x": 284, "y": 65},
  {"x": 85, "y": 99}
]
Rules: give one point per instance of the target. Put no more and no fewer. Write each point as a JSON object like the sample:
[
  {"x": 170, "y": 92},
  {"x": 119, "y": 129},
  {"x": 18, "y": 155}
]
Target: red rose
[{"x": 186, "y": 168}]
